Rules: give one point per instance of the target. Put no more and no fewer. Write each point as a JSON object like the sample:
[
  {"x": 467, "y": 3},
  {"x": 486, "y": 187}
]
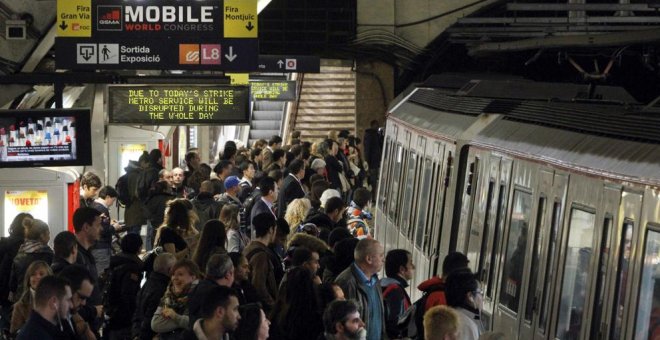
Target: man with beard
[
  {"x": 52, "y": 301},
  {"x": 219, "y": 314},
  {"x": 341, "y": 321},
  {"x": 81, "y": 315}
]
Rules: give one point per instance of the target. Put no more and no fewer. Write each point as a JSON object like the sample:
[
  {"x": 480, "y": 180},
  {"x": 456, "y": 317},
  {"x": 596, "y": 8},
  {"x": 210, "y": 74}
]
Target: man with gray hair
[
  {"x": 360, "y": 283},
  {"x": 149, "y": 296},
  {"x": 219, "y": 272}
]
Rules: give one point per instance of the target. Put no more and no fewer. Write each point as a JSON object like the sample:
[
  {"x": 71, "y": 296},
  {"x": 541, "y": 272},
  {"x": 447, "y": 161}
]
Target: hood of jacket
[
  {"x": 122, "y": 259},
  {"x": 312, "y": 242},
  {"x": 431, "y": 284},
  {"x": 320, "y": 219},
  {"x": 386, "y": 281}
]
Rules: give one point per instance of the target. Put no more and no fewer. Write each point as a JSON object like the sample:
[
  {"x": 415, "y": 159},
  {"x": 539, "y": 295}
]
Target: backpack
[
  {"x": 112, "y": 287},
  {"x": 416, "y": 321},
  {"x": 204, "y": 213},
  {"x": 143, "y": 186},
  {"x": 249, "y": 203},
  {"x": 124, "y": 197}
]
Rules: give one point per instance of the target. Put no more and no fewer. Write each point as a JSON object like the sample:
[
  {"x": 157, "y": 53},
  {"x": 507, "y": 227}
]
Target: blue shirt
[{"x": 363, "y": 277}]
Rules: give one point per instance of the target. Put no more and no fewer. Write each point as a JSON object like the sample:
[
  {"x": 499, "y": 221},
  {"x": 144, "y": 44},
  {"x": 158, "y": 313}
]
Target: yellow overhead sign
[
  {"x": 240, "y": 18},
  {"x": 239, "y": 78},
  {"x": 74, "y": 18}
]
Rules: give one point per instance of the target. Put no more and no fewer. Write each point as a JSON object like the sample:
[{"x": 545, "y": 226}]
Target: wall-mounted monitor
[{"x": 36, "y": 138}]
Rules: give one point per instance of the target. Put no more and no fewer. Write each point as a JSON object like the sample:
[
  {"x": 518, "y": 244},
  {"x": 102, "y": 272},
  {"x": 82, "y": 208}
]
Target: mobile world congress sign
[{"x": 178, "y": 105}]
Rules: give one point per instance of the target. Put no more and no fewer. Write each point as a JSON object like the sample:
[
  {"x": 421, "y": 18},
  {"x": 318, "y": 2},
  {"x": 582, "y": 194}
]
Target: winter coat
[
  {"x": 135, "y": 214},
  {"x": 126, "y": 278},
  {"x": 156, "y": 207},
  {"x": 29, "y": 252},
  {"x": 470, "y": 327},
  {"x": 262, "y": 273},
  {"x": 58, "y": 265},
  {"x": 397, "y": 302},
  {"x": 333, "y": 167},
  {"x": 147, "y": 300},
  {"x": 8, "y": 249},
  {"x": 372, "y": 148},
  {"x": 435, "y": 286}
]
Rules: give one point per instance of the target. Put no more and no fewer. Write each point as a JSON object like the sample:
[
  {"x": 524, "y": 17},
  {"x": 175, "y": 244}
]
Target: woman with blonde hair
[
  {"x": 296, "y": 212},
  {"x": 237, "y": 240},
  {"x": 23, "y": 307},
  {"x": 177, "y": 234},
  {"x": 35, "y": 247}
]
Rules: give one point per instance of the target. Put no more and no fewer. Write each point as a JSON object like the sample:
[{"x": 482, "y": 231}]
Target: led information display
[
  {"x": 178, "y": 105},
  {"x": 273, "y": 90}
]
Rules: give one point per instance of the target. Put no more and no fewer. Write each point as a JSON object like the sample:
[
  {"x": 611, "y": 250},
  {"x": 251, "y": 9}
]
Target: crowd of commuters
[{"x": 271, "y": 242}]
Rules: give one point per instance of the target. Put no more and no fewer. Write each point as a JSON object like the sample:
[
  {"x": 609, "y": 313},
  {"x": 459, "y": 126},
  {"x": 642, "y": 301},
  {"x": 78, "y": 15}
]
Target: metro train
[{"x": 553, "y": 195}]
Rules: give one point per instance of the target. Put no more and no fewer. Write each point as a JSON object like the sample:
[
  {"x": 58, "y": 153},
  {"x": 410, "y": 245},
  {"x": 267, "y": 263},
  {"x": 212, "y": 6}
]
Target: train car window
[
  {"x": 408, "y": 194},
  {"x": 647, "y": 326},
  {"x": 515, "y": 251},
  {"x": 436, "y": 216},
  {"x": 579, "y": 251},
  {"x": 384, "y": 183},
  {"x": 530, "y": 302},
  {"x": 501, "y": 202},
  {"x": 396, "y": 174},
  {"x": 621, "y": 279},
  {"x": 486, "y": 233},
  {"x": 603, "y": 261},
  {"x": 423, "y": 205},
  {"x": 549, "y": 265}
]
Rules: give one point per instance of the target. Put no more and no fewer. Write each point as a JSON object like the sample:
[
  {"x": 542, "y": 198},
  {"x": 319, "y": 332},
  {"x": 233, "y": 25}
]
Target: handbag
[{"x": 345, "y": 185}]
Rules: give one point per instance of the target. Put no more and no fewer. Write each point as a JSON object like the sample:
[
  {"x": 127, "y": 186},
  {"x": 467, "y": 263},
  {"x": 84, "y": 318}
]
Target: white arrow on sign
[
  {"x": 280, "y": 63},
  {"x": 231, "y": 56}
]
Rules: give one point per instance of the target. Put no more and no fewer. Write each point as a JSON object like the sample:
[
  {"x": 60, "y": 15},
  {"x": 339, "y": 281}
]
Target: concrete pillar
[{"x": 374, "y": 92}]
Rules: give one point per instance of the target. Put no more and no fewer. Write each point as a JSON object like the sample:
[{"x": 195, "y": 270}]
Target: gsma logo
[
  {"x": 188, "y": 54},
  {"x": 108, "y": 18}
]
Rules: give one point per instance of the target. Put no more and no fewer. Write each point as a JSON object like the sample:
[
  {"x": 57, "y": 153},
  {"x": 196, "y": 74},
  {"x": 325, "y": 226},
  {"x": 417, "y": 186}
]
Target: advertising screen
[
  {"x": 30, "y": 138},
  {"x": 33, "y": 202}
]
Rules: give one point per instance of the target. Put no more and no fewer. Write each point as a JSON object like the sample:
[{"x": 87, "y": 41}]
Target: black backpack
[{"x": 124, "y": 196}]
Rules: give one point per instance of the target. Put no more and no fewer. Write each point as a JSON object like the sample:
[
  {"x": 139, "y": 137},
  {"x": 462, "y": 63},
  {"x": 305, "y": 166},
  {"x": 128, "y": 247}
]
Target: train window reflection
[
  {"x": 603, "y": 263},
  {"x": 622, "y": 279},
  {"x": 515, "y": 251},
  {"x": 408, "y": 194},
  {"x": 536, "y": 256},
  {"x": 437, "y": 211},
  {"x": 648, "y": 307},
  {"x": 550, "y": 265},
  {"x": 576, "y": 274},
  {"x": 384, "y": 183},
  {"x": 501, "y": 201},
  {"x": 396, "y": 173},
  {"x": 486, "y": 233},
  {"x": 423, "y": 206}
]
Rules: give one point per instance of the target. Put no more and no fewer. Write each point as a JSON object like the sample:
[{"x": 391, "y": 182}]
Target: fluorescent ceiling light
[{"x": 261, "y": 4}]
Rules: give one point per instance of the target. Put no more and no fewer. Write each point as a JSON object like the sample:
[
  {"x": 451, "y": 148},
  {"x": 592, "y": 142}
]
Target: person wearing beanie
[{"x": 232, "y": 190}]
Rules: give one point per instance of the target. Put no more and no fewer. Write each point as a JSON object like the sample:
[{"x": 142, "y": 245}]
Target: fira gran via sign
[{"x": 157, "y": 18}]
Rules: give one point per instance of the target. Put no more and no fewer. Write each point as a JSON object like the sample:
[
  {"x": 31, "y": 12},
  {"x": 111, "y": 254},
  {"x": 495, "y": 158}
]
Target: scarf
[{"x": 32, "y": 246}]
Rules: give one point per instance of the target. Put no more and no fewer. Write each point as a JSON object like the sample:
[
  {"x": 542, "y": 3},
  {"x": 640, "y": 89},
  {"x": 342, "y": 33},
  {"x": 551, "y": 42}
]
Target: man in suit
[
  {"x": 266, "y": 203},
  {"x": 292, "y": 187}
]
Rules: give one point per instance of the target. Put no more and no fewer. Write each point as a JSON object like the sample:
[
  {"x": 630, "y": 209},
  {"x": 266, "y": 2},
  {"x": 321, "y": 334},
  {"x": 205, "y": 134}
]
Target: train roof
[{"x": 603, "y": 138}]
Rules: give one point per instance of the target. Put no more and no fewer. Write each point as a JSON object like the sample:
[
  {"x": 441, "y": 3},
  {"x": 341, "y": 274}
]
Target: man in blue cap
[{"x": 232, "y": 189}]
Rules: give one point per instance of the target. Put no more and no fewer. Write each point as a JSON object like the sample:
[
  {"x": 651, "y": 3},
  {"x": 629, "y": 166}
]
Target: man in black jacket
[
  {"x": 206, "y": 207},
  {"x": 373, "y": 145},
  {"x": 149, "y": 296},
  {"x": 123, "y": 284},
  {"x": 219, "y": 272},
  {"x": 65, "y": 247},
  {"x": 292, "y": 187},
  {"x": 52, "y": 299}
]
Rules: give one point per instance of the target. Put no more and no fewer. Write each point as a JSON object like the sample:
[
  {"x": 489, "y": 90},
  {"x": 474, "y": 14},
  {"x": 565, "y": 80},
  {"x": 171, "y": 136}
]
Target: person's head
[
  {"x": 275, "y": 141},
  {"x": 441, "y": 323},
  {"x": 277, "y": 175},
  {"x": 165, "y": 175},
  {"x": 219, "y": 268},
  {"x": 52, "y": 298},
  {"x": 454, "y": 260},
  {"x": 329, "y": 292},
  {"x": 178, "y": 216},
  {"x": 361, "y": 197},
  {"x": 268, "y": 188},
  {"x": 229, "y": 152},
  {"x": 90, "y": 184},
  {"x": 327, "y": 194},
  {"x": 18, "y": 224},
  {"x": 337, "y": 235},
  {"x": 334, "y": 208},
  {"x": 265, "y": 226},
  {"x": 109, "y": 195},
  {"x": 37, "y": 230},
  {"x": 206, "y": 186},
  {"x": 297, "y": 168},
  {"x": 220, "y": 306},
  {"x": 131, "y": 244},
  {"x": 36, "y": 271},
  {"x": 345, "y": 252},
  {"x": 213, "y": 236},
  {"x": 65, "y": 245},
  {"x": 253, "y": 325},
  {"x": 369, "y": 255},
  {"x": 223, "y": 169},
  {"x": 255, "y": 154},
  {"x": 279, "y": 157},
  {"x": 193, "y": 160},
  {"x": 296, "y": 212},
  {"x": 462, "y": 288},
  {"x": 282, "y": 231},
  {"x": 304, "y": 257},
  {"x": 318, "y": 165},
  {"x": 230, "y": 216},
  {"x": 164, "y": 262},
  {"x": 374, "y": 124},
  {"x": 177, "y": 177},
  {"x": 232, "y": 185},
  {"x": 247, "y": 168},
  {"x": 398, "y": 262},
  {"x": 342, "y": 319},
  {"x": 156, "y": 157},
  {"x": 81, "y": 283},
  {"x": 184, "y": 272},
  {"x": 241, "y": 266},
  {"x": 318, "y": 188}
]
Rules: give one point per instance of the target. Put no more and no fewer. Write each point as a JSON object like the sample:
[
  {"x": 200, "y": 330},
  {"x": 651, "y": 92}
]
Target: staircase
[
  {"x": 327, "y": 102},
  {"x": 266, "y": 120}
]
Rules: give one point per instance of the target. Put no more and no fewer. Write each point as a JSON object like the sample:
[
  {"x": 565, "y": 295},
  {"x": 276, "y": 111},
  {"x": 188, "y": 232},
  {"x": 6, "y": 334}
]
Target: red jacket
[{"x": 436, "y": 287}]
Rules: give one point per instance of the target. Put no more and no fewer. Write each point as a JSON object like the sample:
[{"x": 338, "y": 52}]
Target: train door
[
  {"x": 642, "y": 312},
  {"x": 578, "y": 260},
  {"x": 408, "y": 188},
  {"x": 470, "y": 174},
  {"x": 435, "y": 242},
  {"x": 510, "y": 308},
  {"x": 381, "y": 203},
  {"x": 539, "y": 232},
  {"x": 384, "y": 230}
]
